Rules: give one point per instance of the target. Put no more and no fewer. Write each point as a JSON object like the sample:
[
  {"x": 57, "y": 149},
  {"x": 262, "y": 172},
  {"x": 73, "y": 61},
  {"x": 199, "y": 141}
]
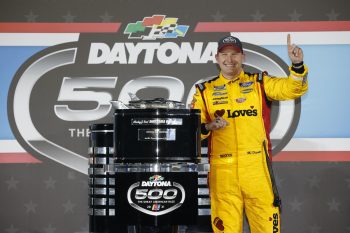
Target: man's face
[{"x": 230, "y": 61}]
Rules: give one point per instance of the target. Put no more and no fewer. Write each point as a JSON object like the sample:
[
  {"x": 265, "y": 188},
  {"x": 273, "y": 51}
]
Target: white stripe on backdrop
[{"x": 258, "y": 38}]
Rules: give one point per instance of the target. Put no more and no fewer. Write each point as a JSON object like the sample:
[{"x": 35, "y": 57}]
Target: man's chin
[{"x": 230, "y": 74}]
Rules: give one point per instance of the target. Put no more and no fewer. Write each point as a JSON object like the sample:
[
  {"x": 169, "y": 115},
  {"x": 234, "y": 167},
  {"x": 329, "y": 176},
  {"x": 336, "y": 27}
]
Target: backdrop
[{"x": 62, "y": 62}]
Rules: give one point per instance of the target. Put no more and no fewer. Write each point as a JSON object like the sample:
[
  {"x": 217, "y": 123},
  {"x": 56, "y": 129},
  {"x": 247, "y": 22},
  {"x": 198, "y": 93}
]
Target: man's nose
[{"x": 229, "y": 58}]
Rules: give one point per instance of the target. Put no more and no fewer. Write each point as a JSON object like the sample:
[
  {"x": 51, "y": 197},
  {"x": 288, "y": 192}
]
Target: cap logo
[{"x": 229, "y": 40}]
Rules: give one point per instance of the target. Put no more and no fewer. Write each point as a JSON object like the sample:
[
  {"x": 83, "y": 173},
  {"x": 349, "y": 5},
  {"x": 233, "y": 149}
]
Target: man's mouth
[{"x": 230, "y": 65}]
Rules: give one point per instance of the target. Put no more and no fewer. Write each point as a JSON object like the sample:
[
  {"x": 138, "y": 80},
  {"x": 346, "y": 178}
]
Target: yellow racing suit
[{"x": 241, "y": 176}]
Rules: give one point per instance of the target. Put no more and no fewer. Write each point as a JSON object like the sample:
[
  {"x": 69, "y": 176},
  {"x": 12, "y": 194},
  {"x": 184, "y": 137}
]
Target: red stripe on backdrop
[
  {"x": 284, "y": 156},
  {"x": 304, "y": 26},
  {"x": 312, "y": 156},
  {"x": 58, "y": 27},
  {"x": 17, "y": 158}
]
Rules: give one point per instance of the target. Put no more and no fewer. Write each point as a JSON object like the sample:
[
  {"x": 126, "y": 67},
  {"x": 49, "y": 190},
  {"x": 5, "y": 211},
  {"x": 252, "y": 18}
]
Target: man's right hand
[{"x": 217, "y": 123}]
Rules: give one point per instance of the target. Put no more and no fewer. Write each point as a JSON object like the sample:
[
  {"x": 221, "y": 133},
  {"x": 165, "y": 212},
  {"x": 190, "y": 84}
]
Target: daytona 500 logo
[
  {"x": 156, "y": 196},
  {"x": 57, "y": 93}
]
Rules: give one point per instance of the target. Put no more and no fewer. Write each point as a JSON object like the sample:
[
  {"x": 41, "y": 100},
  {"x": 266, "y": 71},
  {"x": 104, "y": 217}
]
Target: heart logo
[
  {"x": 219, "y": 113},
  {"x": 219, "y": 223}
]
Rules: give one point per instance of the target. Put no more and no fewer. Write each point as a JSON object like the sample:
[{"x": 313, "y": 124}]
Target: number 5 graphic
[{"x": 76, "y": 89}]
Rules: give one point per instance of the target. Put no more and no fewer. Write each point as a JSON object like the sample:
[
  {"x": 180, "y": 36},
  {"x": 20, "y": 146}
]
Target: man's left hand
[{"x": 295, "y": 53}]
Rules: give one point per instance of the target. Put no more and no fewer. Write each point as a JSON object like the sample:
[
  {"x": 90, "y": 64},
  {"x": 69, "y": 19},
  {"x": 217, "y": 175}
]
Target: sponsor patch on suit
[
  {"x": 220, "y": 88},
  {"x": 225, "y": 155},
  {"x": 245, "y": 84},
  {"x": 241, "y": 100},
  {"x": 220, "y": 102},
  {"x": 219, "y": 93},
  {"x": 246, "y": 91}
]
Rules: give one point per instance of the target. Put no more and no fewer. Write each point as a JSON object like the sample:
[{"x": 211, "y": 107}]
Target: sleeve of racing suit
[
  {"x": 292, "y": 87},
  {"x": 199, "y": 103}
]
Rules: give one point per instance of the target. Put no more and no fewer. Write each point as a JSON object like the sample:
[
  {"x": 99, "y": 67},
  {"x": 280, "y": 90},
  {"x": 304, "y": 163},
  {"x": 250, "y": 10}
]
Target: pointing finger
[{"x": 289, "y": 42}]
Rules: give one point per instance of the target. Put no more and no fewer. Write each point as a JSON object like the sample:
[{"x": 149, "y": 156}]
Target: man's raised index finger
[{"x": 289, "y": 43}]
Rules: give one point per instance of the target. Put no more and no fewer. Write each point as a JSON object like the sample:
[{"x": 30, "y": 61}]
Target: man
[{"x": 235, "y": 115}]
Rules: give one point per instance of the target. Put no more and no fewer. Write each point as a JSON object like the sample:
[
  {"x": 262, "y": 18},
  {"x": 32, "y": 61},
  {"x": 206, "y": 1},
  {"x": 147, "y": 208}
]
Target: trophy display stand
[{"x": 145, "y": 172}]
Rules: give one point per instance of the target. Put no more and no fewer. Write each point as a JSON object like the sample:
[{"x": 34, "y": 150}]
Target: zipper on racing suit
[{"x": 277, "y": 200}]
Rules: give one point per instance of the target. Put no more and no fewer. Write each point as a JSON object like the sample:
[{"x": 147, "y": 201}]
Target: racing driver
[{"x": 235, "y": 117}]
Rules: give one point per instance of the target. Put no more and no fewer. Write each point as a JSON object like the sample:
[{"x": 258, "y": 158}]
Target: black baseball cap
[{"x": 230, "y": 41}]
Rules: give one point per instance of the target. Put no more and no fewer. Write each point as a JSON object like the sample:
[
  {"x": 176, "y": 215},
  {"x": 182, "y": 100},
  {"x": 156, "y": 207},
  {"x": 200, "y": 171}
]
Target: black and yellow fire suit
[{"x": 240, "y": 175}]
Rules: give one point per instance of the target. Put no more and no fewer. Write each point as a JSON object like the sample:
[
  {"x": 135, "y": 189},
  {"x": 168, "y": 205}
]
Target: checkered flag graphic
[{"x": 160, "y": 31}]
